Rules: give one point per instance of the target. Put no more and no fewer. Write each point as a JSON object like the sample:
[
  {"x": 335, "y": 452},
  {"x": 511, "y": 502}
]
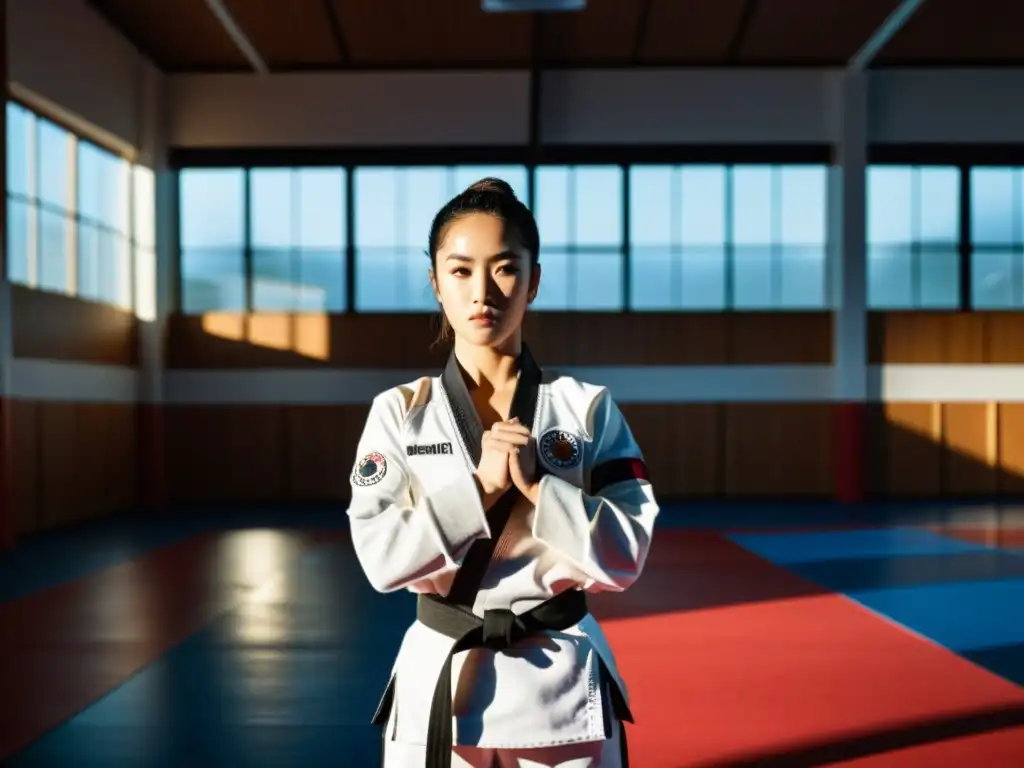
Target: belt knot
[{"x": 501, "y": 629}]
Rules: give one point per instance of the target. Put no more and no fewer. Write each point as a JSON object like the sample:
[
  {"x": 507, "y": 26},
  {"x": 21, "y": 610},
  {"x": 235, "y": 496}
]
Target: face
[{"x": 483, "y": 279}]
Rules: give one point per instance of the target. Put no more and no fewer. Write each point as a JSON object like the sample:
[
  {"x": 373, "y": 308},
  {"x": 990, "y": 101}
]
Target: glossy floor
[{"x": 797, "y": 635}]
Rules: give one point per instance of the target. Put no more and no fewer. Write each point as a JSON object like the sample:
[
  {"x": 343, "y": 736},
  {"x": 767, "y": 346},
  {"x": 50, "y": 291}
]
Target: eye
[
  {"x": 509, "y": 269},
  {"x": 460, "y": 271}
]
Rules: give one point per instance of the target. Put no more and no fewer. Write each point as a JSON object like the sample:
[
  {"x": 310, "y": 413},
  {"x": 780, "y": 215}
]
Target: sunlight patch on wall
[
  {"x": 312, "y": 335},
  {"x": 225, "y": 325},
  {"x": 270, "y": 330},
  {"x": 1010, "y": 441},
  {"x": 305, "y": 334},
  {"x": 972, "y": 431},
  {"x": 922, "y": 419}
]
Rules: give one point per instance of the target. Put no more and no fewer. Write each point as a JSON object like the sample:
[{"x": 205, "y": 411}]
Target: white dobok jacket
[{"x": 416, "y": 512}]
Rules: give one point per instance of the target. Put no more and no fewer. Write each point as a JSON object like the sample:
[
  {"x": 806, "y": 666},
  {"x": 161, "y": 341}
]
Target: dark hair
[{"x": 491, "y": 196}]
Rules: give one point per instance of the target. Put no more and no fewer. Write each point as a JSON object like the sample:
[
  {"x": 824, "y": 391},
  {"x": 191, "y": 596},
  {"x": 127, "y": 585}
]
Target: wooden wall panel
[
  {"x": 570, "y": 338},
  {"x": 52, "y": 326},
  {"x": 946, "y": 337},
  {"x": 73, "y": 462},
  {"x": 26, "y": 474},
  {"x": 765, "y": 338},
  {"x": 682, "y": 445},
  {"x": 946, "y": 450},
  {"x": 321, "y": 445},
  {"x": 1011, "y": 448},
  {"x": 227, "y": 453},
  {"x": 912, "y": 451},
  {"x": 970, "y": 438},
  {"x": 776, "y": 449},
  {"x": 1006, "y": 338},
  {"x": 710, "y": 450},
  {"x": 305, "y": 453}
]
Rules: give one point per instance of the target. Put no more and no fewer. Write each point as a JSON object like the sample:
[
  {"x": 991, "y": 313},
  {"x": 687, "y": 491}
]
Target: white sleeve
[
  {"x": 605, "y": 533},
  {"x": 401, "y": 540}
]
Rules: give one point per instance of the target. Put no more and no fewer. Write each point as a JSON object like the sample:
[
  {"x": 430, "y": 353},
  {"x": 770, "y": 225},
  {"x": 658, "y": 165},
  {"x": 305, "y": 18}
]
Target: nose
[{"x": 482, "y": 287}]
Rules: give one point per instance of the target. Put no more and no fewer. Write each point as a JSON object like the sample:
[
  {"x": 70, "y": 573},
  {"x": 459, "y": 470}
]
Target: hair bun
[{"x": 493, "y": 185}]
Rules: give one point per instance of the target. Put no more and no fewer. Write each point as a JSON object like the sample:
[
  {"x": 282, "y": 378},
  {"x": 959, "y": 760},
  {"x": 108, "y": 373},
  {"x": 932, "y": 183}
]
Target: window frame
[
  {"x": 1014, "y": 246},
  {"x": 126, "y": 298},
  {"x": 918, "y": 248},
  {"x": 350, "y": 159},
  {"x": 964, "y": 157}
]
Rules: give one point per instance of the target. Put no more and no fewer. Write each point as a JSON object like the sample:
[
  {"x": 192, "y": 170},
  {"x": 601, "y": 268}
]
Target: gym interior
[{"x": 789, "y": 239}]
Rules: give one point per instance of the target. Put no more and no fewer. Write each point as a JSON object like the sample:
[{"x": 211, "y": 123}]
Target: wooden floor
[{"x": 795, "y": 635}]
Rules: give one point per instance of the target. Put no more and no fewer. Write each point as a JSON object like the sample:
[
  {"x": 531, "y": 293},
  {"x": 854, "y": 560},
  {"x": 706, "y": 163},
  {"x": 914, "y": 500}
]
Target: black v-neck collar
[{"x": 524, "y": 400}]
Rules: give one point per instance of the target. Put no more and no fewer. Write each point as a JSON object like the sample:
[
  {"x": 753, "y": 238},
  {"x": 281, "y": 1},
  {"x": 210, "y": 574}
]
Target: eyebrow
[{"x": 497, "y": 257}]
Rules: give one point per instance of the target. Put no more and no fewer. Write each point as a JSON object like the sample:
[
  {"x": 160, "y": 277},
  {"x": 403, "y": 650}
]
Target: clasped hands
[{"x": 508, "y": 457}]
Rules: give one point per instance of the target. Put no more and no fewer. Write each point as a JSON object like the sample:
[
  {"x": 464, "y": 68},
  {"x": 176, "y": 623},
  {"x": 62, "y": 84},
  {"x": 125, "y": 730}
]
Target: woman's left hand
[{"x": 522, "y": 465}]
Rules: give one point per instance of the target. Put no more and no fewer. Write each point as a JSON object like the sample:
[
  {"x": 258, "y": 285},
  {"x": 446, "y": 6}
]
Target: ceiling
[{"x": 303, "y": 35}]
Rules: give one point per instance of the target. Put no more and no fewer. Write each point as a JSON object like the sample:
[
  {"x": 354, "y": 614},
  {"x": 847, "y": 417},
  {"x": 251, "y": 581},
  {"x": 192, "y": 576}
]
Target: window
[
  {"x": 677, "y": 237},
  {"x": 712, "y": 237},
  {"x": 104, "y": 229},
  {"x": 22, "y": 209},
  {"x": 997, "y": 238},
  {"x": 40, "y": 201},
  {"x": 394, "y": 208},
  {"x": 779, "y": 240},
  {"x": 56, "y": 197},
  {"x": 69, "y": 212},
  {"x": 297, "y": 235},
  {"x": 913, "y": 237},
  {"x": 212, "y": 236},
  {"x": 579, "y": 214}
]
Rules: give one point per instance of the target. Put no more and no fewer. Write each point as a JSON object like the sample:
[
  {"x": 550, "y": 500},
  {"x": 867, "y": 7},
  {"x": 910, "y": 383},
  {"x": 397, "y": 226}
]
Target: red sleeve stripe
[{"x": 616, "y": 471}]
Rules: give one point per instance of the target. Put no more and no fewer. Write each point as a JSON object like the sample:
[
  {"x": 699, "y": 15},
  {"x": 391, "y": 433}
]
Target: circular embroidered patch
[
  {"x": 560, "y": 449},
  {"x": 370, "y": 470}
]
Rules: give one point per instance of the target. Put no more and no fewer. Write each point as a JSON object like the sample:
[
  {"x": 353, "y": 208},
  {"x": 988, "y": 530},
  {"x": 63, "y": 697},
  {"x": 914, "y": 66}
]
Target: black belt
[{"x": 497, "y": 630}]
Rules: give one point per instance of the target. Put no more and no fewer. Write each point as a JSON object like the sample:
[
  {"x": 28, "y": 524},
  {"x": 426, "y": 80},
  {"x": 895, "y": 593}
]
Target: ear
[
  {"x": 433, "y": 284},
  {"x": 534, "y": 283}
]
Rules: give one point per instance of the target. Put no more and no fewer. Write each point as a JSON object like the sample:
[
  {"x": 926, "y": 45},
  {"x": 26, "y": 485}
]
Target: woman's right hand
[{"x": 498, "y": 443}]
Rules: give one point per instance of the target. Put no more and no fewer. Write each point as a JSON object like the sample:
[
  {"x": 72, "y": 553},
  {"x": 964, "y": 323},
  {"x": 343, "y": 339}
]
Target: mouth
[{"x": 482, "y": 318}]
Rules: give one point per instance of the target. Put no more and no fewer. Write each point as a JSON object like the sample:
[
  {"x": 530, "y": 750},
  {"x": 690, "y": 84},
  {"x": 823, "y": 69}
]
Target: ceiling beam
[
  {"x": 885, "y": 32},
  {"x": 337, "y": 32},
  {"x": 238, "y": 37},
  {"x": 739, "y": 34},
  {"x": 536, "y": 84},
  {"x": 640, "y": 33}
]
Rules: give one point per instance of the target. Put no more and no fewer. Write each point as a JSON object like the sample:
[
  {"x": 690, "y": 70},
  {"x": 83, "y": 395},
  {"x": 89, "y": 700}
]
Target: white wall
[
  {"x": 587, "y": 107},
  {"x": 947, "y": 106},
  {"x": 685, "y": 106},
  {"x": 64, "y": 57},
  {"x": 73, "y": 382},
  {"x": 317, "y": 109},
  {"x": 628, "y": 384}
]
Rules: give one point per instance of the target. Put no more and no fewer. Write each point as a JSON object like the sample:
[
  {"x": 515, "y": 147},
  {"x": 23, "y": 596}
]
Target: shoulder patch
[
  {"x": 370, "y": 470},
  {"x": 560, "y": 449}
]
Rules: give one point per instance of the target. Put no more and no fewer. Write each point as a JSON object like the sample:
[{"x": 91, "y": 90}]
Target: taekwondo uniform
[{"x": 504, "y": 653}]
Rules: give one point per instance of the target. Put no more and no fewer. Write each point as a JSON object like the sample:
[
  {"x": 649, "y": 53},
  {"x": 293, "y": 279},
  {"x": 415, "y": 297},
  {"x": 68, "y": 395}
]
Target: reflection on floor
[{"x": 795, "y": 635}]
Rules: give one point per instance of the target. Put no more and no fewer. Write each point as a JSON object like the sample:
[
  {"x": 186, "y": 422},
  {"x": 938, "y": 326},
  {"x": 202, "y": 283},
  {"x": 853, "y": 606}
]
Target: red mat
[
  {"x": 1004, "y": 538},
  {"x": 731, "y": 661}
]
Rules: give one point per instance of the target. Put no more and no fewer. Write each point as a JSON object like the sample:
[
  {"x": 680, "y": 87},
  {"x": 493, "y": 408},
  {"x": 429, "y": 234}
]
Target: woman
[{"x": 501, "y": 495}]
